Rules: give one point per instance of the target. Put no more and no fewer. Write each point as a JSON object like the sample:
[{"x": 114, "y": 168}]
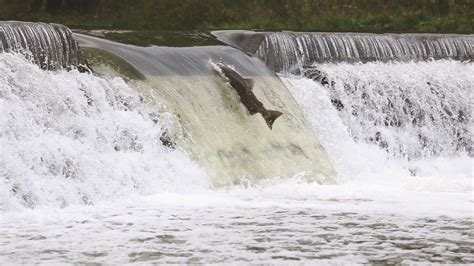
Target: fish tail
[{"x": 270, "y": 116}]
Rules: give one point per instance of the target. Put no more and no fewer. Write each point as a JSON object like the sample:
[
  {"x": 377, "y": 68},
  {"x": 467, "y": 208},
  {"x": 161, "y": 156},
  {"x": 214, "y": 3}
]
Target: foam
[{"x": 72, "y": 138}]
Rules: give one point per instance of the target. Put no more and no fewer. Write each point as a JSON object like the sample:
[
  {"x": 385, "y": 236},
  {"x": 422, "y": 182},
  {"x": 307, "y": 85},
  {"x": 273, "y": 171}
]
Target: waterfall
[
  {"x": 285, "y": 51},
  {"x": 74, "y": 138},
  {"x": 153, "y": 157},
  {"x": 409, "y": 94},
  {"x": 411, "y": 110},
  {"x": 220, "y": 133},
  {"x": 405, "y": 110},
  {"x": 51, "y": 46}
]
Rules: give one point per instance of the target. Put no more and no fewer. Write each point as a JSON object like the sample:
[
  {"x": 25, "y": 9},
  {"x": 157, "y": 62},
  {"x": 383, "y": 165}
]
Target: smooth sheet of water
[
  {"x": 220, "y": 135},
  {"x": 68, "y": 194},
  {"x": 287, "y": 51}
]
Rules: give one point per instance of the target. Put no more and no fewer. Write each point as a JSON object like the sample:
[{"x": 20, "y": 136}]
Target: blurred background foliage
[{"x": 456, "y": 16}]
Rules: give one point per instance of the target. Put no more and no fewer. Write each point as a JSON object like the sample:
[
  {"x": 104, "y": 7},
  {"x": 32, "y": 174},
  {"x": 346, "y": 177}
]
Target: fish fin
[
  {"x": 270, "y": 116},
  {"x": 250, "y": 83}
]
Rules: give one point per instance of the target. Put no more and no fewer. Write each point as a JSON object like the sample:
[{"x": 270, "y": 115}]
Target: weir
[
  {"x": 287, "y": 51},
  {"x": 210, "y": 122},
  {"x": 410, "y": 110},
  {"x": 51, "y": 46},
  {"x": 146, "y": 136},
  {"x": 406, "y": 93},
  {"x": 398, "y": 111},
  {"x": 217, "y": 129}
]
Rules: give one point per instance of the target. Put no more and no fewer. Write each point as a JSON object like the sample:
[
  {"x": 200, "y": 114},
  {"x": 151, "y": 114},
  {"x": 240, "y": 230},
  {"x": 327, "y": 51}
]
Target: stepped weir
[
  {"x": 286, "y": 51},
  {"x": 52, "y": 46}
]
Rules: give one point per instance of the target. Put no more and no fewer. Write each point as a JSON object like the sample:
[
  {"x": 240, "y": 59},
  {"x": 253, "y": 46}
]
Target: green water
[{"x": 147, "y": 38}]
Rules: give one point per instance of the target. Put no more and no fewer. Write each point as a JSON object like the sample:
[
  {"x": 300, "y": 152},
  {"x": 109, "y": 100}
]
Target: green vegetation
[{"x": 456, "y": 16}]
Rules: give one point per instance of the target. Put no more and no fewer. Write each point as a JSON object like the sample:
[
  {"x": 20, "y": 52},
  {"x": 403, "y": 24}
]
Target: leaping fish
[{"x": 244, "y": 88}]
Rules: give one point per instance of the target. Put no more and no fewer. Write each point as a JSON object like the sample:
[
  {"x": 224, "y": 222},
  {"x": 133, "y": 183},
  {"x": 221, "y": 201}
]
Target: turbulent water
[
  {"x": 71, "y": 138},
  {"x": 351, "y": 138},
  {"x": 411, "y": 110},
  {"x": 221, "y": 135},
  {"x": 86, "y": 179}
]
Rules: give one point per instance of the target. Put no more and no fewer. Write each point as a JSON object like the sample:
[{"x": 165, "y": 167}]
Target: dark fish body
[{"x": 244, "y": 88}]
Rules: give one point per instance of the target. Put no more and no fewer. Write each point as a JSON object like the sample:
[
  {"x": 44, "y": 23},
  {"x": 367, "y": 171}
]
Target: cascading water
[
  {"x": 406, "y": 108},
  {"x": 227, "y": 145},
  {"x": 374, "y": 136},
  {"x": 285, "y": 51},
  {"x": 51, "y": 46},
  {"x": 231, "y": 144},
  {"x": 303, "y": 49},
  {"x": 411, "y": 110},
  {"x": 85, "y": 177},
  {"x": 71, "y": 138}
]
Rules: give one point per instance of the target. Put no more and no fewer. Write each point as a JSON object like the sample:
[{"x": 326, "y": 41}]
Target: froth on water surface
[
  {"x": 225, "y": 138},
  {"x": 72, "y": 138},
  {"x": 393, "y": 122},
  {"x": 411, "y": 110},
  {"x": 284, "y": 222},
  {"x": 84, "y": 177}
]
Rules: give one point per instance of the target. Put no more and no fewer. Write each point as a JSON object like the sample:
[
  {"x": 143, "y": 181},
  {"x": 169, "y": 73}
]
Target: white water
[
  {"x": 368, "y": 88},
  {"x": 71, "y": 138},
  {"x": 412, "y": 110},
  {"x": 153, "y": 204},
  {"x": 221, "y": 136}
]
